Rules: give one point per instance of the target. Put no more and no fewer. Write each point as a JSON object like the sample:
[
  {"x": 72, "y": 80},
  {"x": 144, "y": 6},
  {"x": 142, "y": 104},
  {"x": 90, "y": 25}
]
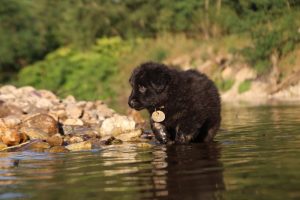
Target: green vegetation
[
  {"x": 224, "y": 85},
  {"x": 57, "y": 45},
  {"x": 68, "y": 71},
  {"x": 244, "y": 86}
]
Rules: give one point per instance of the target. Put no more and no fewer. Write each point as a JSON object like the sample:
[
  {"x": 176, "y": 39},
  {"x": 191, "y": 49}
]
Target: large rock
[
  {"x": 116, "y": 125},
  {"x": 34, "y": 133},
  {"x": 43, "y": 122}
]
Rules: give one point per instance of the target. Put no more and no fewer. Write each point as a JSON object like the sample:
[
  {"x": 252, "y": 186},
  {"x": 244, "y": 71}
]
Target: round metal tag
[{"x": 158, "y": 116}]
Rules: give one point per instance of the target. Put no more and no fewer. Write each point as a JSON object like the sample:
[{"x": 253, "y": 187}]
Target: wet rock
[
  {"x": 73, "y": 122},
  {"x": 57, "y": 149},
  {"x": 87, "y": 145},
  {"x": 42, "y": 122},
  {"x": 37, "y": 146},
  {"x": 144, "y": 145},
  {"x": 90, "y": 130},
  {"x": 116, "y": 125},
  {"x": 75, "y": 139},
  {"x": 55, "y": 140},
  {"x": 129, "y": 136},
  {"x": 34, "y": 133},
  {"x": 2, "y": 146},
  {"x": 116, "y": 142}
]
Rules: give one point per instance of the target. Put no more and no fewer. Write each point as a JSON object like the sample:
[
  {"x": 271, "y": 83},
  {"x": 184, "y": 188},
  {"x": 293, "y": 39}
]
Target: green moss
[{"x": 244, "y": 86}]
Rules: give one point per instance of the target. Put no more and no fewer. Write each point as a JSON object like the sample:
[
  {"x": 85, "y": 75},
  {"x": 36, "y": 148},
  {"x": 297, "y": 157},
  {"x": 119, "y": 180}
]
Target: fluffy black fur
[{"x": 189, "y": 99}]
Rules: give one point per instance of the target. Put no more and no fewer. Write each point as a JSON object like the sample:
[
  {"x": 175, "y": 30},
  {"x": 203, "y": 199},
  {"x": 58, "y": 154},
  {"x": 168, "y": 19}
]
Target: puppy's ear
[{"x": 160, "y": 81}]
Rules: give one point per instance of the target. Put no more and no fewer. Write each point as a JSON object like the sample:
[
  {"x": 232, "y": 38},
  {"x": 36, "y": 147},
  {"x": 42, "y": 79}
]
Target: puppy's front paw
[{"x": 160, "y": 132}]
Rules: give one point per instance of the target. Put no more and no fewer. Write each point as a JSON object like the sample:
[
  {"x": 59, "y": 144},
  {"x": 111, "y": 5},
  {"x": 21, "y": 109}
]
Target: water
[{"x": 255, "y": 156}]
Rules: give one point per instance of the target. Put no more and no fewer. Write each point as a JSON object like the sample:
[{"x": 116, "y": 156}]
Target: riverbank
[{"x": 37, "y": 120}]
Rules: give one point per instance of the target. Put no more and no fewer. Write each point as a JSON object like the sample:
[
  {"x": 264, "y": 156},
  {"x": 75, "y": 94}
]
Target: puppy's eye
[{"x": 142, "y": 89}]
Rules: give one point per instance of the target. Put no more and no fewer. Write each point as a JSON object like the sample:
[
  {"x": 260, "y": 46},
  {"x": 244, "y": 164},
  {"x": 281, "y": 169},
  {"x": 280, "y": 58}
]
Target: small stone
[
  {"x": 144, "y": 145},
  {"x": 58, "y": 149},
  {"x": 55, "y": 140},
  {"x": 73, "y": 122},
  {"x": 48, "y": 95},
  {"x": 2, "y": 146},
  {"x": 116, "y": 125},
  {"x": 69, "y": 99},
  {"x": 81, "y": 146},
  {"x": 129, "y": 136},
  {"x": 34, "y": 133},
  {"x": 75, "y": 139},
  {"x": 42, "y": 122},
  {"x": 117, "y": 141},
  {"x": 73, "y": 111},
  {"x": 11, "y": 137}
]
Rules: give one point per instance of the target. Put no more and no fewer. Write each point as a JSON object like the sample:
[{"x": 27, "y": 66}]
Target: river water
[{"x": 255, "y": 156}]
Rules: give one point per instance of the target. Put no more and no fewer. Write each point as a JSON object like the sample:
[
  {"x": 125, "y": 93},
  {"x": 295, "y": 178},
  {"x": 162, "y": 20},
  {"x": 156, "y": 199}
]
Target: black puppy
[{"x": 184, "y": 105}]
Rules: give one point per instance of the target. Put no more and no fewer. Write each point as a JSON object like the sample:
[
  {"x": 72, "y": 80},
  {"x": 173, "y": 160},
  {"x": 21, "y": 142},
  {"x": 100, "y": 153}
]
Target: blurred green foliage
[
  {"x": 224, "y": 85},
  {"x": 244, "y": 86},
  {"x": 84, "y": 74},
  {"x": 66, "y": 35}
]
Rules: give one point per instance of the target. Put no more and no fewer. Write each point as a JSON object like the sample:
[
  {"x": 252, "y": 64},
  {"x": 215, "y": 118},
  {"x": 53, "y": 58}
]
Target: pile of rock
[{"x": 38, "y": 120}]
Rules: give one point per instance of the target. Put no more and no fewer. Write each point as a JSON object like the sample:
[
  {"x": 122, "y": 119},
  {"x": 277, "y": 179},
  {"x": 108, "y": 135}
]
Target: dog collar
[{"x": 158, "y": 115}]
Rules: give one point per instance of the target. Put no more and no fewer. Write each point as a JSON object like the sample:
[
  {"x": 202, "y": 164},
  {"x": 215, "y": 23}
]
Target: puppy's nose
[{"x": 132, "y": 102}]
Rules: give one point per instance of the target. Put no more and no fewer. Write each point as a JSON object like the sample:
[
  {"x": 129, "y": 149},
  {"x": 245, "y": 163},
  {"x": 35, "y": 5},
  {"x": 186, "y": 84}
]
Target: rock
[
  {"x": 81, "y": 146},
  {"x": 129, "y": 136},
  {"x": 55, "y": 140},
  {"x": 48, "y": 95},
  {"x": 137, "y": 117},
  {"x": 73, "y": 111},
  {"x": 34, "y": 133},
  {"x": 90, "y": 130},
  {"x": 144, "y": 145},
  {"x": 69, "y": 99},
  {"x": 11, "y": 121},
  {"x": 104, "y": 111},
  {"x": 57, "y": 149},
  {"x": 42, "y": 122},
  {"x": 116, "y": 125},
  {"x": 9, "y": 136},
  {"x": 2, "y": 146},
  {"x": 75, "y": 139},
  {"x": 77, "y": 122},
  {"x": 39, "y": 145},
  {"x": 8, "y": 110},
  {"x": 8, "y": 89},
  {"x": 34, "y": 145}
]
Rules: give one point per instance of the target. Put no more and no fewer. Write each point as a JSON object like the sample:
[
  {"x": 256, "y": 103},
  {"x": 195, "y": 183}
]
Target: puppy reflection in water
[
  {"x": 184, "y": 105},
  {"x": 188, "y": 172}
]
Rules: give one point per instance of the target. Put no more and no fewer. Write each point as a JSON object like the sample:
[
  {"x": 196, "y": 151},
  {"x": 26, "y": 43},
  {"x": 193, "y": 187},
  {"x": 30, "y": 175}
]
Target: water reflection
[
  {"x": 256, "y": 157},
  {"x": 193, "y": 172}
]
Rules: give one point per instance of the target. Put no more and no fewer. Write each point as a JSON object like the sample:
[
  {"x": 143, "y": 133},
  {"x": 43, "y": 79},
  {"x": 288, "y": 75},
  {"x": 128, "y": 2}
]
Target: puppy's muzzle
[{"x": 135, "y": 104}]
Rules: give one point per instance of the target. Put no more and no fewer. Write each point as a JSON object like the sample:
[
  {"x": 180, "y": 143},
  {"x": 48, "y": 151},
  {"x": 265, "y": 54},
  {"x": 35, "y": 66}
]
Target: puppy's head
[{"x": 150, "y": 83}]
